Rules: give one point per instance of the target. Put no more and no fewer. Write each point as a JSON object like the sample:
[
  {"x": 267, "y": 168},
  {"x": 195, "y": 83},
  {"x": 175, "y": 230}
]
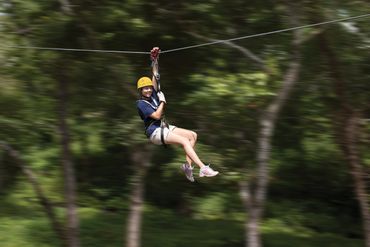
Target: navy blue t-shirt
[{"x": 145, "y": 109}]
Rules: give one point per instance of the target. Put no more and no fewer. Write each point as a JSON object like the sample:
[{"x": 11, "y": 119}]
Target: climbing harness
[
  {"x": 154, "y": 56},
  {"x": 152, "y": 121}
]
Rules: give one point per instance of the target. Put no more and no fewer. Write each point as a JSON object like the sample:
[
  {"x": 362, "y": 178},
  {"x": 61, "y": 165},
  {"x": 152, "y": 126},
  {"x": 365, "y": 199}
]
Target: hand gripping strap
[{"x": 154, "y": 54}]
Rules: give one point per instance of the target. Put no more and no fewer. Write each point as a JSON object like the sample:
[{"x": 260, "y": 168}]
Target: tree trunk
[
  {"x": 2, "y": 172},
  {"x": 44, "y": 201},
  {"x": 353, "y": 158},
  {"x": 66, "y": 6},
  {"x": 267, "y": 127},
  {"x": 267, "y": 123},
  {"x": 68, "y": 167},
  {"x": 346, "y": 124},
  {"x": 252, "y": 235},
  {"x": 141, "y": 159},
  {"x": 69, "y": 172}
]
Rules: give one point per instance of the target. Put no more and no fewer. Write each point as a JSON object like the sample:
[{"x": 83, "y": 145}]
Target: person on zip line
[{"x": 150, "y": 107}]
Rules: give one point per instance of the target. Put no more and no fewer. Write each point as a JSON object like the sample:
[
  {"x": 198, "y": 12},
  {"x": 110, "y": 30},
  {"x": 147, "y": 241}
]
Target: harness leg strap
[{"x": 163, "y": 125}]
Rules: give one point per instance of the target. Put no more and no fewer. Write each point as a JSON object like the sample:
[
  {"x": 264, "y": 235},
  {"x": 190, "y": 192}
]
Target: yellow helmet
[{"x": 143, "y": 82}]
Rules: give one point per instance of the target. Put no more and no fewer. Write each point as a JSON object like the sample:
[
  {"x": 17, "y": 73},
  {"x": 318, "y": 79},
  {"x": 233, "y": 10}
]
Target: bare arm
[
  {"x": 158, "y": 113},
  {"x": 154, "y": 54},
  {"x": 154, "y": 73}
]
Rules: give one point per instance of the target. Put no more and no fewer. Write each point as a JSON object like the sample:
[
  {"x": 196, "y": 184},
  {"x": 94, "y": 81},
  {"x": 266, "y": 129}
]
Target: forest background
[{"x": 284, "y": 117}]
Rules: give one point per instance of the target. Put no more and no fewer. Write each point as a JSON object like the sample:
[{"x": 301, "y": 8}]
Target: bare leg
[
  {"x": 174, "y": 138},
  {"x": 190, "y": 135}
]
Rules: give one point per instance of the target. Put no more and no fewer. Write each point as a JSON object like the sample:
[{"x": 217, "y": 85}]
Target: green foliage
[
  {"x": 161, "y": 228},
  {"x": 214, "y": 90},
  {"x": 234, "y": 90},
  {"x": 210, "y": 206}
]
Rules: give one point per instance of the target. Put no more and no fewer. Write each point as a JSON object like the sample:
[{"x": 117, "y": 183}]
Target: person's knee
[
  {"x": 185, "y": 142},
  {"x": 194, "y": 135}
]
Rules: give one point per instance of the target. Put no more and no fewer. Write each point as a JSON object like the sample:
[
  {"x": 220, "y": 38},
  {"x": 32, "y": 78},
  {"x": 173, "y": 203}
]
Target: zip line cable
[
  {"x": 77, "y": 50},
  {"x": 268, "y": 33},
  {"x": 193, "y": 46}
]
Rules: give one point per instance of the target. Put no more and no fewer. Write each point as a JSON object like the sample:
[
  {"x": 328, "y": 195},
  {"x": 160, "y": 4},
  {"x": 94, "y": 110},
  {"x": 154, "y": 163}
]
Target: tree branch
[{"x": 246, "y": 52}]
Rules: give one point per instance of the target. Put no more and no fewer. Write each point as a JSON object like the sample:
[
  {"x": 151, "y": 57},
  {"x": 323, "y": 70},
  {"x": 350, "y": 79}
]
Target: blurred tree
[
  {"x": 255, "y": 200},
  {"x": 72, "y": 80},
  {"x": 141, "y": 156},
  {"x": 220, "y": 91},
  {"x": 66, "y": 159},
  {"x": 347, "y": 125}
]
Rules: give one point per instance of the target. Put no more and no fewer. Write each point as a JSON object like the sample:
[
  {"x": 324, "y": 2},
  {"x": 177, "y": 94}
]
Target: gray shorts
[{"x": 156, "y": 135}]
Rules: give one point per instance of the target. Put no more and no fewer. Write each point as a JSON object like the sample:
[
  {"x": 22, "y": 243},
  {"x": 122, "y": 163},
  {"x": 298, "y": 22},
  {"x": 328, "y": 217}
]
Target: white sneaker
[
  {"x": 207, "y": 171},
  {"x": 188, "y": 170}
]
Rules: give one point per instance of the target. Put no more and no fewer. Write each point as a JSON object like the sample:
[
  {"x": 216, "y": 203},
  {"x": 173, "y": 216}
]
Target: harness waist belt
[{"x": 150, "y": 123}]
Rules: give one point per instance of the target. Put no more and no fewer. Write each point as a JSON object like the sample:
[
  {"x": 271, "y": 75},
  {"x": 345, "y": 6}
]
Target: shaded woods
[{"x": 283, "y": 117}]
